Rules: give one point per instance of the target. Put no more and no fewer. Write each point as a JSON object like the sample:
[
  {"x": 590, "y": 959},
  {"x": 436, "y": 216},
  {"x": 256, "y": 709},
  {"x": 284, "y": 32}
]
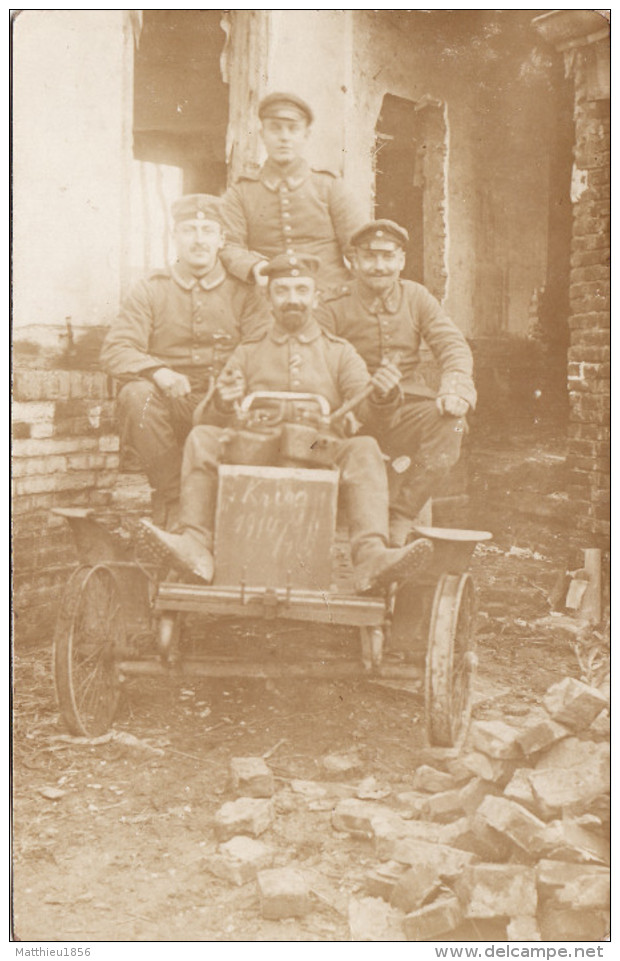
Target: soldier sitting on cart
[
  {"x": 295, "y": 355},
  {"x": 174, "y": 333},
  {"x": 386, "y": 317}
]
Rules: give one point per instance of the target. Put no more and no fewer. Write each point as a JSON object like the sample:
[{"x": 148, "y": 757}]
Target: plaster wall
[
  {"x": 497, "y": 109},
  {"x": 72, "y": 75}
]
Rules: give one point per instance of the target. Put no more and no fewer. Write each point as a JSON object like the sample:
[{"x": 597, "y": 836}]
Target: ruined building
[{"x": 485, "y": 132}]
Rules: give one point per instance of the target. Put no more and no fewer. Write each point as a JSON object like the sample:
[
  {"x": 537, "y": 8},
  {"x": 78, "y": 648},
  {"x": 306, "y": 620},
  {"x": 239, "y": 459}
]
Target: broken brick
[
  {"x": 551, "y": 876},
  {"x": 496, "y": 890},
  {"x": 574, "y": 703},
  {"x": 243, "y": 816},
  {"x": 432, "y": 781},
  {"x": 284, "y": 893},
  {"x": 568, "y": 841},
  {"x": 355, "y": 816},
  {"x": 573, "y": 752},
  {"x": 562, "y": 791},
  {"x": 540, "y": 735},
  {"x": 433, "y": 920},
  {"x": 239, "y": 859},
  {"x": 450, "y": 804},
  {"x": 448, "y": 862},
  {"x": 388, "y": 830},
  {"x": 415, "y": 887},
  {"x": 523, "y": 929},
  {"x": 496, "y": 739},
  {"x": 380, "y": 883},
  {"x": 371, "y": 919},
  {"x": 566, "y": 924},
  {"x": 519, "y": 788},
  {"x": 514, "y": 822},
  {"x": 488, "y": 768},
  {"x": 251, "y": 777}
]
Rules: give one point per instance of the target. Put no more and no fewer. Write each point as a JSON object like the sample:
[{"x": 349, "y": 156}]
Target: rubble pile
[{"x": 513, "y": 829}]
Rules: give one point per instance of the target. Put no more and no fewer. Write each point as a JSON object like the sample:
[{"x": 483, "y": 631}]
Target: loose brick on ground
[
  {"x": 568, "y": 841},
  {"x": 523, "y": 929},
  {"x": 283, "y": 893},
  {"x": 387, "y": 831},
  {"x": 243, "y": 816},
  {"x": 514, "y": 822},
  {"x": 573, "y": 752},
  {"x": 519, "y": 788},
  {"x": 433, "y": 920},
  {"x": 566, "y": 791},
  {"x": 239, "y": 859},
  {"x": 573, "y": 703},
  {"x": 448, "y": 862},
  {"x": 251, "y": 777},
  {"x": 431, "y": 780},
  {"x": 380, "y": 882},
  {"x": 495, "y": 738},
  {"x": 448, "y": 805},
  {"x": 566, "y": 924},
  {"x": 496, "y": 890},
  {"x": 551, "y": 876},
  {"x": 416, "y": 886},
  {"x": 488, "y": 768},
  {"x": 540, "y": 735},
  {"x": 355, "y": 816},
  {"x": 371, "y": 919},
  {"x": 341, "y": 765}
]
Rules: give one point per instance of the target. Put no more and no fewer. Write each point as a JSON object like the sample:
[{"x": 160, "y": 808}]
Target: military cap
[
  {"x": 196, "y": 207},
  {"x": 292, "y": 265},
  {"x": 284, "y": 106},
  {"x": 375, "y": 232}
]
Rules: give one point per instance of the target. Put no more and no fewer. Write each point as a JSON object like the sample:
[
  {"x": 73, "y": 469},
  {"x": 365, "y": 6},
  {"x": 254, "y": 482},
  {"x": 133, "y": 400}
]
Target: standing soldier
[
  {"x": 386, "y": 318},
  {"x": 172, "y": 337},
  {"x": 287, "y": 207}
]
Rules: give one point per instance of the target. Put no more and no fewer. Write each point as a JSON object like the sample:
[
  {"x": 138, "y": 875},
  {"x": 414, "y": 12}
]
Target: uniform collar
[
  {"x": 309, "y": 332},
  {"x": 387, "y": 303},
  {"x": 293, "y": 174},
  {"x": 185, "y": 279}
]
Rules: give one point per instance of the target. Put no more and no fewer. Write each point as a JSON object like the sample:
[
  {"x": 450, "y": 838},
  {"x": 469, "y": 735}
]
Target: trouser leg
[
  {"x": 432, "y": 441},
  {"x": 154, "y": 427},
  {"x": 199, "y": 481},
  {"x": 364, "y": 487}
]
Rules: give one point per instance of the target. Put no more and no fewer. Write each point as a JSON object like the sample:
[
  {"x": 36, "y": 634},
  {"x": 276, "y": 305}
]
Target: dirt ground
[{"x": 109, "y": 839}]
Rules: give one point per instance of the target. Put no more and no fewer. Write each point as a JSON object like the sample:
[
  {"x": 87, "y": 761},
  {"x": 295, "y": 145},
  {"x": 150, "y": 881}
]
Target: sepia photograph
[{"x": 310, "y": 464}]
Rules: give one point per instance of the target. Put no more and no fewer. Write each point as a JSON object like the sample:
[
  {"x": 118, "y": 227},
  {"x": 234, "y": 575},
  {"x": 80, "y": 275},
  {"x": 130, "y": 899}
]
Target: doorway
[{"x": 410, "y": 156}]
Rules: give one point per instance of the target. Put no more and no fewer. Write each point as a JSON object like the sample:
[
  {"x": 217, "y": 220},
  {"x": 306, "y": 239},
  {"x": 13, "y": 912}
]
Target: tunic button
[
  {"x": 283, "y": 188},
  {"x": 288, "y": 228},
  {"x": 286, "y": 214},
  {"x": 285, "y": 201},
  {"x": 290, "y": 250}
]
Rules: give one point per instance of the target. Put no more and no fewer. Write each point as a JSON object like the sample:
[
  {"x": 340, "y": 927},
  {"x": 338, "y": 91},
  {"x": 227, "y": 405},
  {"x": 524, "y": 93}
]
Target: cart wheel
[
  {"x": 450, "y": 660},
  {"x": 89, "y": 629}
]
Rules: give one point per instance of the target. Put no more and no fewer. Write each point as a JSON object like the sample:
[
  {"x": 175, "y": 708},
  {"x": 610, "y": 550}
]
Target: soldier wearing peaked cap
[
  {"x": 173, "y": 335},
  {"x": 296, "y": 356},
  {"x": 287, "y": 206},
  {"x": 385, "y": 317}
]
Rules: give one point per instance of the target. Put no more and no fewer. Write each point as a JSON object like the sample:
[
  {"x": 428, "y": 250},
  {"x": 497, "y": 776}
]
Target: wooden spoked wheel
[
  {"x": 89, "y": 631},
  {"x": 451, "y": 660}
]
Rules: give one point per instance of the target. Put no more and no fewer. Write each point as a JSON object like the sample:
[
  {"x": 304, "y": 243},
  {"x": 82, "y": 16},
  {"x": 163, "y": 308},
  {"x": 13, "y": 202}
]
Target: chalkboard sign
[{"x": 275, "y": 526}]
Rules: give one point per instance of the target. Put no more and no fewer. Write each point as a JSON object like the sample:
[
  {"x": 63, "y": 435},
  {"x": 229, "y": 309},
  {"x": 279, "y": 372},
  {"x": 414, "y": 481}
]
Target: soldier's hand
[
  {"x": 452, "y": 404},
  {"x": 171, "y": 383},
  {"x": 385, "y": 379},
  {"x": 230, "y": 387},
  {"x": 259, "y": 278}
]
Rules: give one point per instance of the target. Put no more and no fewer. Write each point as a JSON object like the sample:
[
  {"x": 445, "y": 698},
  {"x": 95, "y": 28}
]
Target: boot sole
[
  {"x": 163, "y": 554},
  {"x": 408, "y": 566}
]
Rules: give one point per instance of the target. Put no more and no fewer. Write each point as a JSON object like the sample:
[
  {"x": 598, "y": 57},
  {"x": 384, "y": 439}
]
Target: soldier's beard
[{"x": 292, "y": 318}]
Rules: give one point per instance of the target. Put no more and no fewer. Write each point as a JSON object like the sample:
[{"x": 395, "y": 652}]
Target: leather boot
[
  {"x": 378, "y": 566},
  {"x": 188, "y": 552}
]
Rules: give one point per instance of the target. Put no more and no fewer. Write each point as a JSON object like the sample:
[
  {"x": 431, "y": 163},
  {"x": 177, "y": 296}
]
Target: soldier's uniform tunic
[
  {"x": 291, "y": 210},
  {"x": 308, "y": 360},
  {"x": 173, "y": 319},
  {"x": 393, "y": 326}
]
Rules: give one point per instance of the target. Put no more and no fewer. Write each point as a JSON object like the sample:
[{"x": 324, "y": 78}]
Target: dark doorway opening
[
  {"x": 409, "y": 183},
  {"x": 180, "y": 99}
]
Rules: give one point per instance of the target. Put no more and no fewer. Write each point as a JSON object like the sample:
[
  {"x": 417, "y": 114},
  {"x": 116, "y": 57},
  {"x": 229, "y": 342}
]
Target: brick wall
[
  {"x": 589, "y": 349},
  {"x": 65, "y": 454}
]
